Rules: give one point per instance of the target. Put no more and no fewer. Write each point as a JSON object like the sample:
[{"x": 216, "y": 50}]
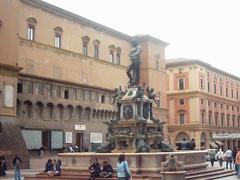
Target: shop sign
[
  {"x": 226, "y": 136},
  {"x": 79, "y": 127},
  {"x": 96, "y": 138}
]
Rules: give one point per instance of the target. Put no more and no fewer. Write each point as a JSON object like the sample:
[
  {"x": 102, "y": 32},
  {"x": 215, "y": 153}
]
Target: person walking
[
  {"x": 219, "y": 157},
  {"x": 212, "y": 157},
  {"x": 237, "y": 165},
  {"x": 228, "y": 155},
  {"x": 123, "y": 171},
  {"x": 17, "y": 167}
]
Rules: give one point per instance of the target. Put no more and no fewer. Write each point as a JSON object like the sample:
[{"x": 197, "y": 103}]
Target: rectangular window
[
  {"x": 209, "y": 103},
  {"x": 30, "y": 32},
  {"x": 227, "y": 107},
  {"x": 209, "y": 118},
  {"x": 96, "y": 52},
  {"x": 30, "y": 87},
  {"x": 182, "y": 118},
  {"x": 237, "y": 94},
  {"x": 201, "y": 101},
  {"x": 216, "y": 120},
  {"x": 222, "y": 119},
  {"x": 215, "y": 104},
  {"x": 85, "y": 50},
  {"x": 181, "y": 101},
  {"x": 226, "y": 92},
  {"x": 57, "y": 41},
  {"x": 202, "y": 118},
  {"x": 111, "y": 57},
  {"x": 232, "y": 93},
  {"x": 19, "y": 88},
  {"x": 201, "y": 83},
  {"x": 233, "y": 121},
  {"x": 215, "y": 88},
  {"x": 181, "y": 84},
  {"x": 208, "y": 86},
  {"x": 221, "y": 106},
  {"x": 232, "y": 108},
  {"x": 228, "y": 122},
  {"x": 66, "y": 94},
  {"x": 221, "y": 90}
]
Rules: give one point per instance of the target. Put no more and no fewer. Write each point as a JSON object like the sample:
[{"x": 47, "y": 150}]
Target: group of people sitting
[
  {"x": 96, "y": 171},
  {"x": 123, "y": 170},
  {"x": 53, "y": 167}
]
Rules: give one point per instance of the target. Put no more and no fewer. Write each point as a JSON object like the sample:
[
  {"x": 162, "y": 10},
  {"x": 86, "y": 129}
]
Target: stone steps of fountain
[{"x": 210, "y": 173}]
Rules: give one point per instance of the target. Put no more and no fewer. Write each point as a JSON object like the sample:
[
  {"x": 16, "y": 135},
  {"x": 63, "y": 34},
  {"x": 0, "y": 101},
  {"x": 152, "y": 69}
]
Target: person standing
[
  {"x": 123, "y": 171},
  {"x": 41, "y": 151},
  {"x": 237, "y": 165},
  {"x": 17, "y": 167},
  {"x": 3, "y": 166},
  {"x": 219, "y": 157},
  {"x": 228, "y": 155}
]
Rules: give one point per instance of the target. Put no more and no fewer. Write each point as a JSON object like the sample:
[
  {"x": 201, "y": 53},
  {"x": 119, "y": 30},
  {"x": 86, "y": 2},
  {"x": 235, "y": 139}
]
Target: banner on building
[
  {"x": 226, "y": 136},
  {"x": 96, "y": 138},
  {"x": 79, "y": 127},
  {"x": 68, "y": 137}
]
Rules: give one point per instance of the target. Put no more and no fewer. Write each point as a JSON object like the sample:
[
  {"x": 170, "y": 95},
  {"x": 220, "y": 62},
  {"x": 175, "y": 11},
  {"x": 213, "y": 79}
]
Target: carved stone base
[{"x": 174, "y": 175}]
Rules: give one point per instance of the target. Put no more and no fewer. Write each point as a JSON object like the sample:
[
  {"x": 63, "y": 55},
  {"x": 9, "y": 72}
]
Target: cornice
[
  {"x": 197, "y": 93},
  {"x": 183, "y": 62},
  {"x": 76, "y": 18},
  {"x": 9, "y": 70}
]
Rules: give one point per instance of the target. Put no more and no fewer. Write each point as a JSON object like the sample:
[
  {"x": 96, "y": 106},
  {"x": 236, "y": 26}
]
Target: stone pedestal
[{"x": 174, "y": 175}]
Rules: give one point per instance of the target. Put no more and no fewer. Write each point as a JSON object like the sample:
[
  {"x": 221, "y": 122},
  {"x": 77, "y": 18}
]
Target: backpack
[{"x": 17, "y": 164}]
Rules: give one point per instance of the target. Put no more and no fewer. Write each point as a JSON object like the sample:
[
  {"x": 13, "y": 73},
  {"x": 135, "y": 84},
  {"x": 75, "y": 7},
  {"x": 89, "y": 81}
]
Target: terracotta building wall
[
  {"x": 8, "y": 25},
  {"x": 68, "y": 63}
]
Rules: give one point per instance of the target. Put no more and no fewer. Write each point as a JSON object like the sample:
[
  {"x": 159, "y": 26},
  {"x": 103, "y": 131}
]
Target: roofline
[
  {"x": 202, "y": 63},
  {"x": 74, "y": 17},
  {"x": 151, "y": 38}
]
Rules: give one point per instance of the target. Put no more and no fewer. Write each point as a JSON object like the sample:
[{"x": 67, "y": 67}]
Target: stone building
[
  {"x": 203, "y": 104},
  {"x": 58, "y": 71}
]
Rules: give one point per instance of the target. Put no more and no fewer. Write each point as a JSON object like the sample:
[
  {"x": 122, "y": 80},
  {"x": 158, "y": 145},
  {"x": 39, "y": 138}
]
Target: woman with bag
[{"x": 123, "y": 171}]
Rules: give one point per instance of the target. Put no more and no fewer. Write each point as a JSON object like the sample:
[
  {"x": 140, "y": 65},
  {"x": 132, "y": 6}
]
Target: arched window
[
  {"x": 58, "y": 37},
  {"x": 39, "y": 110},
  {"x": 111, "y": 53},
  {"x": 96, "y": 44},
  {"x": 118, "y": 57},
  {"x": 50, "y": 110},
  {"x": 79, "y": 111},
  {"x": 31, "y": 27},
  {"x": 85, "y": 40},
  {"x": 28, "y": 109},
  {"x": 87, "y": 113}
]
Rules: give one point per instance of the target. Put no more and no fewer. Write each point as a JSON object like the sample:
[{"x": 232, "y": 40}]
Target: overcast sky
[{"x": 208, "y": 30}]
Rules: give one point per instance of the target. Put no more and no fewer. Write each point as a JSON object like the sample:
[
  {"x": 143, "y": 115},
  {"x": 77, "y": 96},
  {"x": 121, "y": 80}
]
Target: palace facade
[
  {"x": 203, "y": 104},
  {"x": 57, "y": 75}
]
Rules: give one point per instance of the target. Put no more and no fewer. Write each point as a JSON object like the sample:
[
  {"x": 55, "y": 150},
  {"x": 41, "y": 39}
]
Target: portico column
[
  {"x": 225, "y": 145},
  {"x": 231, "y": 144}
]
